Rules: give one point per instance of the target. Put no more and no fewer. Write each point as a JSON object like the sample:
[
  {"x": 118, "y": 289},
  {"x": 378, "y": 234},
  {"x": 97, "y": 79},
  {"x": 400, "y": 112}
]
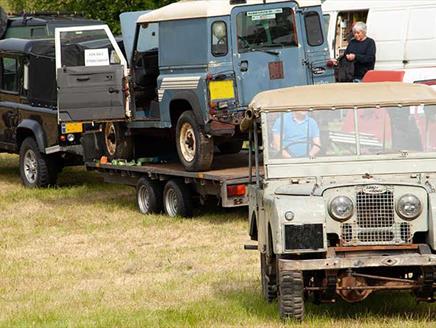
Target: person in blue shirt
[{"x": 300, "y": 137}]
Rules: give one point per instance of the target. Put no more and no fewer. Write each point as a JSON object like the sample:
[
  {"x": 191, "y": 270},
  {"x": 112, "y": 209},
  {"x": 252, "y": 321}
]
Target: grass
[{"x": 81, "y": 255}]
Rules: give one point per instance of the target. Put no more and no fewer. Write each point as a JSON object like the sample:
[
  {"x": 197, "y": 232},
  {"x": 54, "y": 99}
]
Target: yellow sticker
[
  {"x": 73, "y": 128},
  {"x": 221, "y": 90}
]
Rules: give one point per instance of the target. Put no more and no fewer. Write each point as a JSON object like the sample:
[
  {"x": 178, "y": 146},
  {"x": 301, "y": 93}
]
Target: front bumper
[{"x": 337, "y": 263}]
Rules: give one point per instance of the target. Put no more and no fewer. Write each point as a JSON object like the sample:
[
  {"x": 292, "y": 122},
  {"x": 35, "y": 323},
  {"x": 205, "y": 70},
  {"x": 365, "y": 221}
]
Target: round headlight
[
  {"x": 409, "y": 207},
  {"x": 341, "y": 208}
]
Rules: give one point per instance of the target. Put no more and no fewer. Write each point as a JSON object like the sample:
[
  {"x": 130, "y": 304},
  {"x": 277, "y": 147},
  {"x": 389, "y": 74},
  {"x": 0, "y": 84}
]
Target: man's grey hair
[{"x": 360, "y": 27}]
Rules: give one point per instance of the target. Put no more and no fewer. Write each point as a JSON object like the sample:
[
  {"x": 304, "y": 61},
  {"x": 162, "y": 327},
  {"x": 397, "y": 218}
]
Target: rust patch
[{"x": 276, "y": 70}]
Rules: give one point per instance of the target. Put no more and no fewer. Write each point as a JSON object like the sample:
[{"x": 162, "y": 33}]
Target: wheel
[
  {"x": 117, "y": 144},
  {"x": 231, "y": 147},
  {"x": 177, "y": 199},
  {"x": 268, "y": 277},
  {"x": 149, "y": 196},
  {"x": 291, "y": 295},
  {"x": 36, "y": 170},
  {"x": 194, "y": 148}
]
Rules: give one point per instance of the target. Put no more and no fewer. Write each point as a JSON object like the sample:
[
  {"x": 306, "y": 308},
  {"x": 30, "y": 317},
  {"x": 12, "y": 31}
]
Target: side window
[
  {"x": 219, "y": 39},
  {"x": 9, "y": 78},
  {"x": 313, "y": 29},
  {"x": 38, "y": 33}
]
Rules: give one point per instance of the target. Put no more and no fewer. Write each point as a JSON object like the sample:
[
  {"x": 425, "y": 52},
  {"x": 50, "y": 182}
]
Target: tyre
[
  {"x": 177, "y": 199},
  {"x": 231, "y": 147},
  {"x": 149, "y": 196},
  {"x": 194, "y": 148},
  {"x": 291, "y": 295},
  {"x": 36, "y": 170},
  {"x": 268, "y": 277},
  {"x": 117, "y": 144}
]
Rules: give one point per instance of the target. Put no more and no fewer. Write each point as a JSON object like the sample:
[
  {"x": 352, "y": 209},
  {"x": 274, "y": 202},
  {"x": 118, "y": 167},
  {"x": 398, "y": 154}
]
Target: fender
[
  {"x": 37, "y": 131},
  {"x": 188, "y": 95}
]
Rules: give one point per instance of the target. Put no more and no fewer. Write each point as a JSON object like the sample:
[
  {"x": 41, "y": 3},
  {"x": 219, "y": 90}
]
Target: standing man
[{"x": 361, "y": 51}]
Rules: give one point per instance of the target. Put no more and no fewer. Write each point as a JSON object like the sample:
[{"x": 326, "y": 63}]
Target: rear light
[
  {"x": 236, "y": 190},
  {"x": 330, "y": 63},
  {"x": 62, "y": 138}
]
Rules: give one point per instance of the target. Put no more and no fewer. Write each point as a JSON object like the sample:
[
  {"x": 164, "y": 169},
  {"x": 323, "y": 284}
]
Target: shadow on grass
[{"x": 380, "y": 306}]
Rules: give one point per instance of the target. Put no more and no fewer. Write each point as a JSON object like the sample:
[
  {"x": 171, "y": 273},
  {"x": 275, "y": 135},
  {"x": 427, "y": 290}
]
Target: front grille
[
  {"x": 375, "y": 210},
  {"x": 374, "y": 222}
]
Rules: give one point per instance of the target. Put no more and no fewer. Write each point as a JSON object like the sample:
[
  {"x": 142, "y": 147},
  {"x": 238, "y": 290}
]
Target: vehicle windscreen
[
  {"x": 266, "y": 29},
  {"x": 351, "y": 132}
]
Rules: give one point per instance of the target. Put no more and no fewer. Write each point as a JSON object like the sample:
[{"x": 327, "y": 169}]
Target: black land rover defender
[{"x": 28, "y": 112}]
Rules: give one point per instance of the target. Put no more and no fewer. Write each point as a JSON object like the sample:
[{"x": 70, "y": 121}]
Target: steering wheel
[
  {"x": 242, "y": 42},
  {"x": 278, "y": 153}
]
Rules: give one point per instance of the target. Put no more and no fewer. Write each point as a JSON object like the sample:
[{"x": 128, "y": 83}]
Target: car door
[
  {"x": 265, "y": 39},
  {"x": 9, "y": 98},
  {"x": 315, "y": 47},
  {"x": 91, "y": 75}
]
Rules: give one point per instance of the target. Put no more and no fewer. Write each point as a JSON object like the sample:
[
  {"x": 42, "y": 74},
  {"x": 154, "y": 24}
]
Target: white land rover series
[{"x": 346, "y": 203}]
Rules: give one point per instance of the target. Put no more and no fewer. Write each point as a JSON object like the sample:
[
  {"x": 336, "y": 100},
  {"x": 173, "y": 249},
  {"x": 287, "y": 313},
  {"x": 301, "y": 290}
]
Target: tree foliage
[{"x": 105, "y": 10}]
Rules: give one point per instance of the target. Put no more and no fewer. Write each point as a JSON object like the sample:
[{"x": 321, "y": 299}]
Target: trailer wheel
[
  {"x": 194, "y": 148},
  {"x": 231, "y": 147},
  {"x": 117, "y": 144},
  {"x": 268, "y": 277},
  {"x": 149, "y": 196},
  {"x": 177, "y": 199},
  {"x": 36, "y": 170},
  {"x": 291, "y": 295}
]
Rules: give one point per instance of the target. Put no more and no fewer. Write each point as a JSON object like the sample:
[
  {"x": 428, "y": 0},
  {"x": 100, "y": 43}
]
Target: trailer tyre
[
  {"x": 194, "y": 148},
  {"x": 177, "y": 199},
  {"x": 36, "y": 170},
  {"x": 291, "y": 295},
  {"x": 117, "y": 144},
  {"x": 149, "y": 196}
]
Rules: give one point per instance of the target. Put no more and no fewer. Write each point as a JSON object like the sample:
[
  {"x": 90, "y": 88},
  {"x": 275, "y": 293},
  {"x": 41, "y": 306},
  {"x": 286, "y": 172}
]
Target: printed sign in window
[
  {"x": 96, "y": 57},
  {"x": 264, "y": 14}
]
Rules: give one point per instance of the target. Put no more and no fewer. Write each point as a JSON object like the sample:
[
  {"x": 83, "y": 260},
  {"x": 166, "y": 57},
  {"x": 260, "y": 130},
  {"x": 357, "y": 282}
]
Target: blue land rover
[{"x": 194, "y": 66}]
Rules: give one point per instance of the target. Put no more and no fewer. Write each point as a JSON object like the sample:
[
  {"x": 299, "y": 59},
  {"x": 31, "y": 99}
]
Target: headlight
[
  {"x": 341, "y": 208},
  {"x": 409, "y": 207}
]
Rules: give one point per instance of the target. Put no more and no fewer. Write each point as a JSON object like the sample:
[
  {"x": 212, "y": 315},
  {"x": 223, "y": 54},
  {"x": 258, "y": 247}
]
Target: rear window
[
  {"x": 313, "y": 29},
  {"x": 266, "y": 29}
]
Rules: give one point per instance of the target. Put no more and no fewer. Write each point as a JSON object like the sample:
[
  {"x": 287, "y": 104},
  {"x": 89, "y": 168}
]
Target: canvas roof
[
  {"x": 344, "y": 95},
  {"x": 186, "y": 9}
]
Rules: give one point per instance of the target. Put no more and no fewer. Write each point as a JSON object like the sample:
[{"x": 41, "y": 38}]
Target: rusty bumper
[{"x": 337, "y": 263}]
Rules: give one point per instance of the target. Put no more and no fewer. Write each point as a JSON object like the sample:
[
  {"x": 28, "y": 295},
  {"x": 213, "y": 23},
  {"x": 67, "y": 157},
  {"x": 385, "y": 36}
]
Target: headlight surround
[
  {"x": 341, "y": 208},
  {"x": 409, "y": 207}
]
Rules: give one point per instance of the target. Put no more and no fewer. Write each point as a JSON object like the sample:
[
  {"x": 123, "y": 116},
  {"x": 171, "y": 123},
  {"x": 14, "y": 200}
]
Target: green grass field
[{"x": 81, "y": 255}]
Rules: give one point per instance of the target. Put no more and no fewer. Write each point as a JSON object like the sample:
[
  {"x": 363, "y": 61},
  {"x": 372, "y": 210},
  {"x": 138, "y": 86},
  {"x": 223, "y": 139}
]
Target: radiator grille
[
  {"x": 374, "y": 222},
  {"x": 375, "y": 210}
]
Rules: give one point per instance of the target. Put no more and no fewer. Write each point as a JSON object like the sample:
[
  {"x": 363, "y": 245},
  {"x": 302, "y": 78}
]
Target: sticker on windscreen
[
  {"x": 96, "y": 57},
  {"x": 264, "y": 14}
]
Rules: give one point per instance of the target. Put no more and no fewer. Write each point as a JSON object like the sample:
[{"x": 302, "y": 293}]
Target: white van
[{"x": 404, "y": 30}]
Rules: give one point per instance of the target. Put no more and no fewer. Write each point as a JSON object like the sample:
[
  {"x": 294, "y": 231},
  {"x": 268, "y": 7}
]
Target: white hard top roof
[
  {"x": 344, "y": 5},
  {"x": 186, "y": 9},
  {"x": 344, "y": 95}
]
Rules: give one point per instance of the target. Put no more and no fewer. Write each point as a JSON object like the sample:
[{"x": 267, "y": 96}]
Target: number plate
[
  {"x": 221, "y": 90},
  {"x": 72, "y": 128}
]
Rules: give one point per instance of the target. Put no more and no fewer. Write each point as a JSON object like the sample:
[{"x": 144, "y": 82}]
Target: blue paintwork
[{"x": 185, "y": 52}]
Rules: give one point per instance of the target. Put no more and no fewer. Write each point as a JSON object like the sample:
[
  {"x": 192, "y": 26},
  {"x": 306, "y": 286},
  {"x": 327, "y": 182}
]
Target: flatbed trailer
[{"x": 170, "y": 188}]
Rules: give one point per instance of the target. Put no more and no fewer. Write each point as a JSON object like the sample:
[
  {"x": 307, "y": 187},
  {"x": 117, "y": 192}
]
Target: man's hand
[{"x": 350, "y": 57}]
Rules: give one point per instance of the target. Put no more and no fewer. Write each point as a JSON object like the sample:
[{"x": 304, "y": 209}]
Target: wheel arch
[
  {"x": 31, "y": 128},
  {"x": 183, "y": 101}
]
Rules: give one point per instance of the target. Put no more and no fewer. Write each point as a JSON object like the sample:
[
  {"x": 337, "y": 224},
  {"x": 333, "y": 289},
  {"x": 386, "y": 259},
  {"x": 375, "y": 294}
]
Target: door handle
[
  {"x": 112, "y": 90},
  {"x": 243, "y": 65},
  {"x": 83, "y": 79}
]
